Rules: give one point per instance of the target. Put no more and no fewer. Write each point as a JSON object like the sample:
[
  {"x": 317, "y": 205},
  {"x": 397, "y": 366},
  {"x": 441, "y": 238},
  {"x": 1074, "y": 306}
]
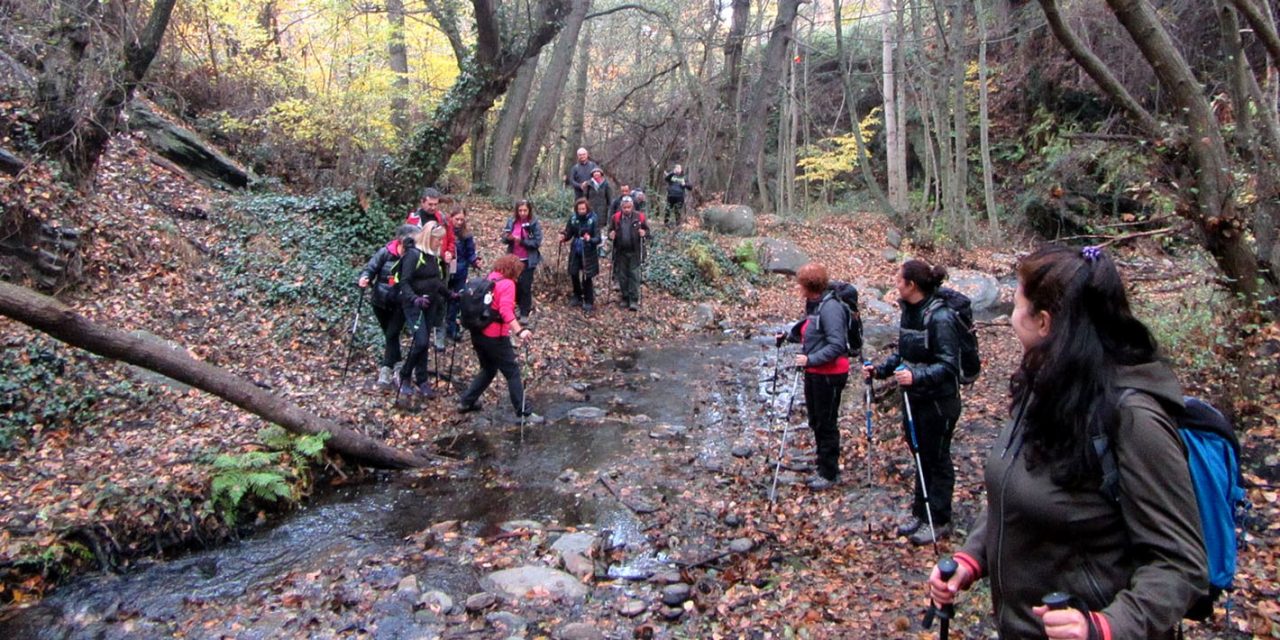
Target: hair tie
[{"x": 1091, "y": 253}]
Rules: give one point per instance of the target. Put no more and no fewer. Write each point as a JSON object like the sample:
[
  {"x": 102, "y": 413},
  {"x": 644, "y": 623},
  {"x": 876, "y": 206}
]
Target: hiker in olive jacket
[
  {"x": 929, "y": 377},
  {"x": 1136, "y": 563}
]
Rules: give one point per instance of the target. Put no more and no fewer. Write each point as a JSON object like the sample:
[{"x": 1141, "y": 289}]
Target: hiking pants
[
  {"x": 494, "y": 354},
  {"x": 391, "y": 320},
  {"x": 456, "y": 283},
  {"x": 415, "y": 364},
  {"x": 675, "y": 209},
  {"x": 935, "y": 420},
  {"x": 583, "y": 288},
  {"x": 822, "y": 398},
  {"x": 627, "y": 267},
  {"x": 524, "y": 290}
]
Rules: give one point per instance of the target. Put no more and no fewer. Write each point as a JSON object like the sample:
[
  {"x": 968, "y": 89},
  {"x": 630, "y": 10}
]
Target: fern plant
[{"x": 266, "y": 476}]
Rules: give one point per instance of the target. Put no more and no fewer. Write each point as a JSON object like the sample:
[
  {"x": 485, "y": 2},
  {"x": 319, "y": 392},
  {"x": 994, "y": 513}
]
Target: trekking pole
[
  {"x": 524, "y": 388},
  {"x": 946, "y": 570},
  {"x": 915, "y": 449},
  {"x": 351, "y": 343},
  {"x": 870, "y": 442},
  {"x": 782, "y": 448},
  {"x": 773, "y": 388}
]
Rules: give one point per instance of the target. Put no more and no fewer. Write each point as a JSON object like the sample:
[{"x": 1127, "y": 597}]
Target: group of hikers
[
  {"x": 419, "y": 280},
  {"x": 1133, "y": 561},
  {"x": 1091, "y": 528}
]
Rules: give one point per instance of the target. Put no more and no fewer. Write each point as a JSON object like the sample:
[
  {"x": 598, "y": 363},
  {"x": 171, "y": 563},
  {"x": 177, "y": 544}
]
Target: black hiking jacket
[
  {"x": 420, "y": 275},
  {"x": 931, "y": 353}
]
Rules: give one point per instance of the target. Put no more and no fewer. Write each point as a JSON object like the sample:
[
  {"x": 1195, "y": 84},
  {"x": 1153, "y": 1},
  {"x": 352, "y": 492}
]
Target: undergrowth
[
  {"x": 280, "y": 473},
  {"x": 690, "y": 266}
]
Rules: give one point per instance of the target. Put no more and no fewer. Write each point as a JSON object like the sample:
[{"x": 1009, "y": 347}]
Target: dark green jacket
[{"x": 1139, "y": 562}]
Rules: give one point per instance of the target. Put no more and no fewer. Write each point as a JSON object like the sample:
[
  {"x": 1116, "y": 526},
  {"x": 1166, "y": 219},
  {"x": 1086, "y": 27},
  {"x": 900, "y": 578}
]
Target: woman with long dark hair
[
  {"x": 927, "y": 367},
  {"x": 523, "y": 235},
  {"x": 1134, "y": 562}
]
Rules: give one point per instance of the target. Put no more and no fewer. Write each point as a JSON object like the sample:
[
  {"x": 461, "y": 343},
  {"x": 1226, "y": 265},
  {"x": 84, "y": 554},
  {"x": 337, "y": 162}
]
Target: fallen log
[
  {"x": 62, "y": 322},
  {"x": 10, "y": 163}
]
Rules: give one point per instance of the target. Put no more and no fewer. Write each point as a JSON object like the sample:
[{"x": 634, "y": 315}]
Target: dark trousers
[
  {"x": 583, "y": 288},
  {"x": 822, "y": 397},
  {"x": 675, "y": 209},
  {"x": 456, "y": 283},
  {"x": 626, "y": 266},
  {"x": 494, "y": 354},
  {"x": 391, "y": 320},
  {"x": 524, "y": 290},
  {"x": 415, "y": 364},
  {"x": 935, "y": 420}
]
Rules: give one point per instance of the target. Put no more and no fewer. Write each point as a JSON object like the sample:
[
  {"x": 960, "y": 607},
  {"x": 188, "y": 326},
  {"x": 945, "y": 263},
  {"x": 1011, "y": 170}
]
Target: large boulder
[
  {"x": 530, "y": 581},
  {"x": 187, "y": 150},
  {"x": 982, "y": 288},
  {"x": 731, "y": 219},
  {"x": 781, "y": 256}
]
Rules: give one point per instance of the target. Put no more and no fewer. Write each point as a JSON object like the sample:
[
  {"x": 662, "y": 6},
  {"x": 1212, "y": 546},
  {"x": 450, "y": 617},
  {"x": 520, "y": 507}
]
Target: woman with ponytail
[{"x": 1133, "y": 561}]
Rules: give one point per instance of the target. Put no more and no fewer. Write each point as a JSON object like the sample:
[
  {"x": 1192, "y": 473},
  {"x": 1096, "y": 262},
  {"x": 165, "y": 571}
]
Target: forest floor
[{"x": 107, "y": 483}]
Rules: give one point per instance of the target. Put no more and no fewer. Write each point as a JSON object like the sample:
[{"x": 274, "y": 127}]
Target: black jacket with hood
[{"x": 931, "y": 353}]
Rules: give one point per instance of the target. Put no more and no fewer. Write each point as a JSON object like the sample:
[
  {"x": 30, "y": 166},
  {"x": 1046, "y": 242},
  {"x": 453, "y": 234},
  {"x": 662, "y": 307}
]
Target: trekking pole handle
[
  {"x": 1056, "y": 601},
  {"x": 946, "y": 570}
]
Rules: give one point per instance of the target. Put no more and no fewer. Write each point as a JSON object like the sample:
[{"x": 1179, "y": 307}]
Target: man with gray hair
[{"x": 580, "y": 174}]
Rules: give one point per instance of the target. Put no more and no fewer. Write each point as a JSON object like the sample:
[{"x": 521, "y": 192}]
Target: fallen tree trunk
[
  {"x": 10, "y": 163},
  {"x": 60, "y": 321}
]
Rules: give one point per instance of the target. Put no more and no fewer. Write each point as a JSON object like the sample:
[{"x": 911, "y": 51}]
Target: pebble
[
  {"x": 436, "y": 601},
  {"x": 409, "y": 586},
  {"x": 666, "y": 576},
  {"x": 672, "y": 613},
  {"x": 733, "y": 520},
  {"x": 587, "y": 413},
  {"x": 742, "y": 451},
  {"x": 579, "y": 631},
  {"x": 510, "y": 622},
  {"x": 632, "y": 607},
  {"x": 568, "y": 475},
  {"x": 675, "y": 594},
  {"x": 667, "y": 431},
  {"x": 480, "y": 601},
  {"x": 513, "y": 525},
  {"x": 742, "y": 545}
]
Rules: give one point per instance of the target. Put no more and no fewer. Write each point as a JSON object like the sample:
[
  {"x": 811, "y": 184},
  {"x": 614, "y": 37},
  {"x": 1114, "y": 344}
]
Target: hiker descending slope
[
  {"x": 927, "y": 367},
  {"x": 380, "y": 273},
  {"x": 582, "y": 233},
  {"x": 422, "y": 288},
  {"x": 1133, "y": 565},
  {"x": 627, "y": 229},
  {"x": 824, "y": 356}
]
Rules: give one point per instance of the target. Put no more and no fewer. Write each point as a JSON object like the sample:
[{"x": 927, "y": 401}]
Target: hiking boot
[
  {"x": 633, "y": 306},
  {"x": 909, "y": 527},
  {"x": 922, "y": 535},
  {"x": 468, "y": 408},
  {"x": 384, "y": 376},
  {"x": 407, "y": 390},
  {"x": 587, "y": 307},
  {"x": 425, "y": 390},
  {"x": 575, "y": 303},
  {"x": 819, "y": 483}
]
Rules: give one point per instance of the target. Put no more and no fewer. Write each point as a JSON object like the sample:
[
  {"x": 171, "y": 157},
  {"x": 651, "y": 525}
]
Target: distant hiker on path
[
  {"x": 927, "y": 368},
  {"x": 824, "y": 339},
  {"x": 580, "y": 173},
  {"x": 627, "y": 229},
  {"x": 677, "y": 185},
  {"x": 1137, "y": 562},
  {"x": 380, "y": 273},
  {"x": 582, "y": 233},
  {"x": 523, "y": 235},
  {"x": 493, "y": 343}
]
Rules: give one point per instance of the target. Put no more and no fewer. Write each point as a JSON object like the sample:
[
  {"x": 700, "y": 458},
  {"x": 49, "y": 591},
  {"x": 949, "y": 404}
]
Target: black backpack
[
  {"x": 475, "y": 304},
  {"x": 847, "y": 295},
  {"x": 962, "y": 311}
]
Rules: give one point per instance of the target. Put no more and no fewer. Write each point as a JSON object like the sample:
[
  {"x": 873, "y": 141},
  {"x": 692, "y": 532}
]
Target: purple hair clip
[{"x": 1091, "y": 254}]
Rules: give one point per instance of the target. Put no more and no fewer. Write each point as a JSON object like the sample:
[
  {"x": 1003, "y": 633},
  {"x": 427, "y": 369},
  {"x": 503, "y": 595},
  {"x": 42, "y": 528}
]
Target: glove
[
  {"x": 779, "y": 338},
  {"x": 455, "y": 295},
  {"x": 421, "y": 302}
]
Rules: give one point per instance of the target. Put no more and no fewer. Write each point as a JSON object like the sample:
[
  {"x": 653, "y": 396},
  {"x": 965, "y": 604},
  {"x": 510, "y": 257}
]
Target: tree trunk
[
  {"x": 1221, "y": 224},
  {"x": 984, "y": 127},
  {"x": 485, "y": 76},
  {"x": 504, "y": 134},
  {"x": 398, "y": 58},
  {"x": 1262, "y": 25},
  {"x": 75, "y": 135},
  {"x": 894, "y": 129},
  {"x": 733, "y": 46},
  {"x": 764, "y": 94},
  {"x": 538, "y": 122},
  {"x": 960, "y": 114},
  {"x": 576, "y": 136},
  {"x": 846, "y": 85},
  {"x": 56, "y": 319}
]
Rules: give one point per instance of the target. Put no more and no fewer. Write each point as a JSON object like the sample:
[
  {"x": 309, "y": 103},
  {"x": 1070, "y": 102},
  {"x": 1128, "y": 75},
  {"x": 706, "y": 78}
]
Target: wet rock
[
  {"x": 889, "y": 254},
  {"x": 672, "y": 613},
  {"x": 437, "y": 601},
  {"x": 521, "y": 582},
  {"x": 665, "y": 431},
  {"x": 640, "y": 418},
  {"x": 516, "y": 525},
  {"x": 581, "y": 387},
  {"x": 703, "y": 316},
  {"x": 409, "y": 587},
  {"x": 346, "y": 595},
  {"x": 507, "y": 622},
  {"x": 391, "y": 627},
  {"x": 982, "y": 288},
  {"x": 579, "y": 631},
  {"x": 655, "y": 376},
  {"x": 632, "y": 607},
  {"x": 714, "y": 465},
  {"x": 385, "y": 577},
  {"x": 675, "y": 594},
  {"x": 742, "y": 545},
  {"x": 733, "y": 520},
  {"x": 568, "y": 475},
  {"x": 480, "y": 601},
  {"x": 666, "y": 576},
  {"x": 735, "y": 220},
  {"x": 575, "y": 550},
  {"x": 742, "y": 451},
  {"x": 587, "y": 414}
]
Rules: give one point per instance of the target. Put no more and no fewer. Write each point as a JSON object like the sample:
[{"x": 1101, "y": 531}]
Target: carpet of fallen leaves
[{"x": 131, "y": 482}]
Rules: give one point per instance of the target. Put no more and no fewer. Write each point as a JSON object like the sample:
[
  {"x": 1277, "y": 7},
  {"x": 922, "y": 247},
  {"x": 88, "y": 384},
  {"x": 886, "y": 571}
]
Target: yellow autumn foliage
[{"x": 833, "y": 157}]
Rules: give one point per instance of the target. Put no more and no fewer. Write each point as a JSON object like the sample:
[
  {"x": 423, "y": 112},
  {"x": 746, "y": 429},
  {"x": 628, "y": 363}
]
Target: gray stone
[
  {"x": 587, "y": 413},
  {"x": 581, "y": 387},
  {"x": 580, "y": 543},
  {"x": 672, "y": 613},
  {"x": 982, "y": 288},
  {"x": 579, "y": 565},
  {"x": 507, "y": 622},
  {"x": 742, "y": 545},
  {"x": 514, "y": 525},
  {"x": 183, "y": 147},
  {"x": 733, "y": 520},
  {"x": 579, "y": 631},
  {"x": 734, "y": 220},
  {"x": 568, "y": 475},
  {"x": 520, "y": 582},
  {"x": 742, "y": 451},
  {"x": 704, "y": 315},
  {"x": 666, "y": 576},
  {"x": 632, "y": 607},
  {"x": 782, "y": 256},
  {"x": 890, "y": 254},
  {"x": 480, "y": 601},
  {"x": 667, "y": 431},
  {"x": 675, "y": 594},
  {"x": 894, "y": 238},
  {"x": 437, "y": 601}
]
